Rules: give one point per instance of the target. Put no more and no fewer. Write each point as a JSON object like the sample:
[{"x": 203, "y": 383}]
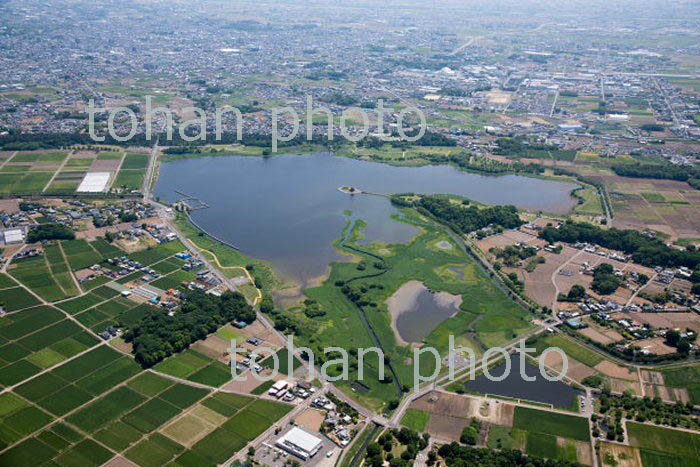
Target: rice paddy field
[
  {"x": 60, "y": 172},
  {"x": 101, "y": 404}
]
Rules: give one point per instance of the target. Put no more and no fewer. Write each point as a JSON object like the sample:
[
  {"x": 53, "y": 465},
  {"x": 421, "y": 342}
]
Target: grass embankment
[{"x": 232, "y": 262}]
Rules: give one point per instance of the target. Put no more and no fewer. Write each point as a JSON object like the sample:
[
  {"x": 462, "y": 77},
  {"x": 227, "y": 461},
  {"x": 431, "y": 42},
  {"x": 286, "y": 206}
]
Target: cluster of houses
[
  {"x": 597, "y": 250},
  {"x": 287, "y": 392}
]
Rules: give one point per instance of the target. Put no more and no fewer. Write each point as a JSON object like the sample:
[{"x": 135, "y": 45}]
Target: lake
[
  {"x": 416, "y": 311},
  {"x": 287, "y": 209},
  {"x": 549, "y": 392}
]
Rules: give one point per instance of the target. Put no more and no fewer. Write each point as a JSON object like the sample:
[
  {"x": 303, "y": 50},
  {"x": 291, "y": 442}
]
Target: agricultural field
[
  {"x": 35, "y": 273},
  {"x": 416, "y": 420},
  {"x": 132, "y": 172},
  {"x": 109, "y": 406},
  {"x": 51, "y": 172},
  {"x": 687, "y": 377},
  {"x": 38, "y": 338},
  {"x": 550, "y": 423},
  {"x": 664, "y": 444}
]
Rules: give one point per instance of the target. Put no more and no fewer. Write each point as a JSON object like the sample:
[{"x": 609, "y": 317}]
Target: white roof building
[
  {"x": 300, "y": 443},
  {"x": 94, "y": 182},
  {"x": 13, "y": 236}
]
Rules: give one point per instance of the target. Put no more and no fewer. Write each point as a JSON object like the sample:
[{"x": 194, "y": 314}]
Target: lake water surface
[
  {"x": 287, "y": 209},
  {"x": 549, "y": 392}
]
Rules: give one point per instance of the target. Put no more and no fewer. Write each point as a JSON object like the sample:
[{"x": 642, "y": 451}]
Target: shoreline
[{"x": 406, "y": 297}]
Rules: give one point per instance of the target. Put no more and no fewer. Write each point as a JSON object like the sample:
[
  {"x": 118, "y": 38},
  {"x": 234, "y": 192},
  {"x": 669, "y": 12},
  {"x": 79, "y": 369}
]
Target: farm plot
[
  {"x": 17, "y": 298},
  {"x": 80, "y": 254},
  {"x": 36, "y": 339},
  {"x": 687, "y": 377},
  {"x": 35, "y": 274},
  {"x": 157, "y": 253},
  {"x": 550, "y": 423},
  {"x": 664, "y": 440},
  {"x": 18, "y": 419}
]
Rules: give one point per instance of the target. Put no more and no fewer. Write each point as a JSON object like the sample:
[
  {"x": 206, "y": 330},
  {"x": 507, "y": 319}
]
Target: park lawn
[
  {"x": 590, "y": 204},
  {"x": 501, "y": 437},
  {"x": 416, "y": 420},
  {"x": 666, "y": 440},
  {"x": 550, "y": 423}
]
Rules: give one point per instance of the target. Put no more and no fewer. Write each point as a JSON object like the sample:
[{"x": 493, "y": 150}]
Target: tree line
[
  {"x": 657, "y": 171},
  {"x": 158, "y": 335},
  {"x": 463, "y": 218},
  {"x": 50, "y": 231},
  {"x": 456, "y": 455}
]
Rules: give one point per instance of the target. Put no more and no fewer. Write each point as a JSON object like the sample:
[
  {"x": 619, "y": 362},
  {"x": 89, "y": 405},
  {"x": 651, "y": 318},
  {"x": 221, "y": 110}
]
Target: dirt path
[
  {"x": 58, "y": 170},
  {"x": 4, "y": 163},
  {"x": 220, "y": 266},
  {"x": 554, "y": 282}
]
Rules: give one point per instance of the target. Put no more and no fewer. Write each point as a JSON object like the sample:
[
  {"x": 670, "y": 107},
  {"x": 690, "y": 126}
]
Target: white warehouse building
[{"x": 300, "y": 443}]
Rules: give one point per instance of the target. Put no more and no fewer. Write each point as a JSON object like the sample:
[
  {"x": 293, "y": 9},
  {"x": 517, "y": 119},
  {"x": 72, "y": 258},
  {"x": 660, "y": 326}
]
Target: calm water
[
  {"x": 288, "y": 210},
  {"x": 422, "y": 316},
  {"x": 540, "y": 390}
]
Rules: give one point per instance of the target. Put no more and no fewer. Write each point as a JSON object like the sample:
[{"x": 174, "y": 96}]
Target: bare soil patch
[
  {"x": 576, "y": 370},
  {"x": 310, "y": 419},
  {"x": 446, "y": 427},
  {"x": 616, "y": 371},
  {"x": 622, "y": 456}
]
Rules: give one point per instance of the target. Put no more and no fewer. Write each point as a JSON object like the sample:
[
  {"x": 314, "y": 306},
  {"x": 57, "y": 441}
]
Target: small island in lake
[{"x": 350, "y": 190}]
